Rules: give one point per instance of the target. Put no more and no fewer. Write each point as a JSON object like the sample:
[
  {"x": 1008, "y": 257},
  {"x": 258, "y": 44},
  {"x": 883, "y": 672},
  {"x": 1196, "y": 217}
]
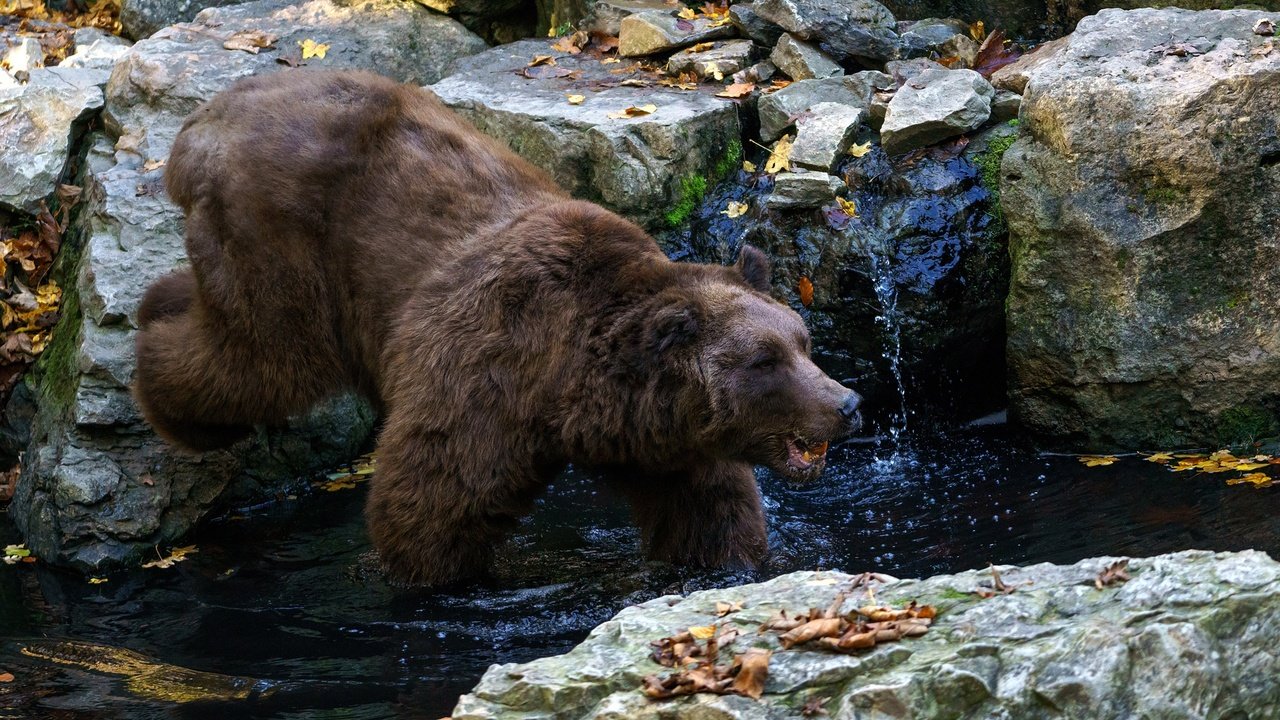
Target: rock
[
  {"x": 1013, "y": 77},
  {"x": 1142, "y": 203},
  {"x": 749, "y": 24},
  {"x": 903, "y": 70},
  {"x": 802, "y": 61},
  {"x": 823, "y": 134},
  {"x": 961, "y": 47},
  {"x": 40, "y": 121},
  {"x": 800, "y": 189},
  {"x": 22, "y": 58},
  {"x": 646, "y": 167},
  {"x": 777, "y": 109},
  {"x": 502, "y": 21},
  {"x": 1055, "y": 641},
  {"x": 606, "y": 15},
  {"x": 141, "y": 18},
  {"x": 920, "y": 37},
  {"x": 96, "y": 50},
  {"x": 1005, "y": 105},
  {"x": 847, "y": 30},
  {"x": 98, "y": 488},
  {"x": 725, "y": 59},
  {"x": 933, "y": 106},
  {"x": 758, "y": 73},
  {"x": 648, "y": 33}
]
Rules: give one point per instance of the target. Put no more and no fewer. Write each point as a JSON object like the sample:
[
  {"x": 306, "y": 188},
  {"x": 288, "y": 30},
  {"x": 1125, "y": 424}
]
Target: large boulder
[
  {"x": 98, "y": 487},
  {"x": 934, "y": 105},
  {"x": 1190, "y": 635},
  {"x": 141, "y": 18},
  {"x": 850, "y": 31},
  {"x": 1143, "y": 202},
  {"x": 651, "y": 167}
]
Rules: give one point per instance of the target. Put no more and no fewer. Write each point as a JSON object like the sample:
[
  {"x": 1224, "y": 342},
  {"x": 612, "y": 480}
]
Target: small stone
[
  {"x": 606, "y": 15},
  {"x": 960, "y": 47},
  {"x": 757, "y": 73},
  {"x": 1005, "y": 105},
  {"x": 933, "y": 106},
  {"x": 921, "y": 37},
  {"x": 724, "y": 59},
  {"x": 650, "y": 32},
  {"x": 846, "y": 30},
  {"x": 903, "y": 70},
  {"x": 778, "y": 109},
  {"x": 749, "y": 24},
  {"x": 803, "y": 61},
  {"x": 800, "y": 189},
  {"x": 823, "y": 134}
]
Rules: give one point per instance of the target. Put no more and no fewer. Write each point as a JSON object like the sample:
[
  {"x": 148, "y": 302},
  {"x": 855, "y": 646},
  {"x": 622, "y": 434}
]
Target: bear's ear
[
  {"x": 754, "y": 266},
  {"x": 672, "y": 326}
]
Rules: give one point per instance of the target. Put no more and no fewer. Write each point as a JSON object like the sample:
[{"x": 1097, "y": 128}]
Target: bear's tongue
[{"x": 803, "y": 455}]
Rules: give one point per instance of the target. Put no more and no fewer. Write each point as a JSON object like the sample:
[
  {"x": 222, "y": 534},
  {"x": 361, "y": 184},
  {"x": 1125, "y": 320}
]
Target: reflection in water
[{"x": 284, "y": 602}]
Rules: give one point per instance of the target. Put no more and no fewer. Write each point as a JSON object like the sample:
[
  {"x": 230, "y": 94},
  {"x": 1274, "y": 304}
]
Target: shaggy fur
[{"x": 346, "y": 232}]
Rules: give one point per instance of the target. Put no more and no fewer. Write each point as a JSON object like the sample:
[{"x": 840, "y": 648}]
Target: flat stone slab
[
  {"x": 847, "y": 30},
  {"x": 723, "y": 59},
  {"x": 934, "y": 105},
  {"x": 823, "y": 134},
  {"x": 779, "y": 109},
  {"x": 1192, "y": 634},
  {"x": 637, "y": 165},
  {"x": 801, "y": 190},
  {"x": 655, "y": 31}
]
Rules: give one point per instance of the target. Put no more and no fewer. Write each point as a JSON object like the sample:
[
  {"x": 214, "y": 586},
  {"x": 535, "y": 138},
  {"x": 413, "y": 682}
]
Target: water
[{"x": 282, "y": 596}]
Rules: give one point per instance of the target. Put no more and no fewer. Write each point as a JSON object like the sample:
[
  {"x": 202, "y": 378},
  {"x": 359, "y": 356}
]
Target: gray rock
[
  {"x": 39, "y": 123},
  {"x": 802, "y": 61},
  {"x": 823, "y": 134},
  {"x": 749, "y": 24},
  {"x": 778, "y": 109},
  {"x": 606, "y": 15},
  {"x": 96, "y": 49},
  {"x": 640, "y": 167},
  {"x": 933, "y": 106},
  {"x": 758, "y": 73},
  {"x": 648, "y": 33},
  {"x": 1142, "y": 203},
  {"x": 961, "y": 47},
  {"x": 800, "y": 189},
  {"x": 509, "y": 20},
  {"x": 141, "y": 18},
  {"x": 1005, "y": 105},
  {"x": 98, "y": 487},
  {"x": 903, "y": 70},
  {"x": 921, "y": 37},
  {"x": 1055, "y": 641},
  {"x": 725, "y": 59},
  {"x": 847, "y": 30},
  {"x": 23, "y": 57},
  {"x": 1013, "y": 77}
]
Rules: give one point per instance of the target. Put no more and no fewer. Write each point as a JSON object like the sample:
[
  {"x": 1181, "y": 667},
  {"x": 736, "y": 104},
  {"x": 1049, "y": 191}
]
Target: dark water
[{"x": 281, "y": 595}]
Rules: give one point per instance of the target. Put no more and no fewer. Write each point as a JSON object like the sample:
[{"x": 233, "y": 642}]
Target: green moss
[
  {"x": 729, "y": 162},
  {"x": 988, "y": 163},
  {"x": 1162, "y": 195},
  {"x": 954, "y": 594},
  {"x": 1243, "y": 424},
  {"x": 692, "y": 188},
  {"x": 563, "y": 29},
  {"x": 55, "y": 370}
]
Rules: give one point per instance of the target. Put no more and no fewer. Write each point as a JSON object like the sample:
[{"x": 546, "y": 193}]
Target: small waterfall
[{"x": 890, "y": 320}]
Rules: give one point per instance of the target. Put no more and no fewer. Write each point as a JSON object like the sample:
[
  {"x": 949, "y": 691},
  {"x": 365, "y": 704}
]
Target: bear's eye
[{"x": 764, "y": 361}]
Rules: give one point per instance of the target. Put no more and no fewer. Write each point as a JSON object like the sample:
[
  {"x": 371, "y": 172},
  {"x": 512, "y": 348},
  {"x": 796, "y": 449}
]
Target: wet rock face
[
  {"x": 1143, "y": 204},
  {"x": 98, "y": 487},
  {"x": 641, "y": 167},
  {"x": 849, "y": 31},
  {"x": 1189, "y": 635}
]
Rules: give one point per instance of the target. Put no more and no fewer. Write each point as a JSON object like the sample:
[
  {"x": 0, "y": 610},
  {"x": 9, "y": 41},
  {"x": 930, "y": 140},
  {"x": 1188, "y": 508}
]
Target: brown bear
[{"x": 350, "y": 233}]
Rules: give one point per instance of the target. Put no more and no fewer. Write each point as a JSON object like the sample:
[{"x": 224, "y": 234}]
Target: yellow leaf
[
  {"x": 96, "y": 581},
  {"x": 687, "y": 13},
  {"x": 610, "y": 61},
  {"x": 1159, "y": 458},
  {"x": 1247, "y": 466},
  {"x": 713, "y": 69},
  {"x": 978, "y": 31},
  {"x": 175, "y": 556},
  {"x": 313, "y": 49},
  {"x": 1256, "y": 479},
  {"x": 634, "y": 112},
  {"x": 735, "y": 209},
  {"x": 724, "y": 608},
  {"x": 860, "y": 150},
  {"x": 703, "y": 632},
  {"x": 847, "y": 207},
  {"x": 576, "y": 99},
  {"x": 700, "y": 47},
  {"x": 748, "y": 166},
  {"x": 1096, "y": 460},
  {"x": 780, "y": 158}
]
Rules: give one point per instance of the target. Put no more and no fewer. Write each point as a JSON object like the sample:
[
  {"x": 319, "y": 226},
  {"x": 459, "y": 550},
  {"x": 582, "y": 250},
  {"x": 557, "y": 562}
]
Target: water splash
[{"x": 890, "y": 320}]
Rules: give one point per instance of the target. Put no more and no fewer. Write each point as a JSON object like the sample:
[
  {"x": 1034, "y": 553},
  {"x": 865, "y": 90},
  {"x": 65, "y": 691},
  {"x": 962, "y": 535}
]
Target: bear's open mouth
[{"x": 805, "y": 459}]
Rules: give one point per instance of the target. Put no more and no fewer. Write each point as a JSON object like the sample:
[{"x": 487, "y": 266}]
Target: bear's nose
[{"x": 850, "y": 406}]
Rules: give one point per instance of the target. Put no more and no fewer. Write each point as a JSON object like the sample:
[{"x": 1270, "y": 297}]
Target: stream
[{"x": 279, "y": 615}]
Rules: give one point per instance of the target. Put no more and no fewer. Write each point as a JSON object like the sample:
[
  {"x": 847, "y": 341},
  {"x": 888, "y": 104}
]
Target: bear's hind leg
[
  {"x": 169, "y": 295},
  {"x": 707, "y": 516}
]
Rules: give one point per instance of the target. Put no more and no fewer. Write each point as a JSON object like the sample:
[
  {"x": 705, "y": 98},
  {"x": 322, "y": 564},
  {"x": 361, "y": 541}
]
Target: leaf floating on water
[
  {"x": 6, "y": 677},
  {"x": 1159, "y": 458},
  {"x": 860, "y": 150},
  {"x": 174, "y": 557},
  {"x": 735, "y": 209},
  {"x": 634, "y": 112},
  {"x": 780, "y": 158},
  {"x": 1097, "y": 460},
  {"x": 97, "y": 580},
  {"x": 1257, "y": 479},
  {"x": 313, "y": 49},
  {"x": 14, "y": 554},
  {"x": 804, "y": 288},
  {"x": 1116, "y": 572}
]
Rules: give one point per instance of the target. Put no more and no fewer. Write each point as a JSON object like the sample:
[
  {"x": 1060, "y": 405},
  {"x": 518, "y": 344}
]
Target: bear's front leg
[{"x": 707, "y": 516}]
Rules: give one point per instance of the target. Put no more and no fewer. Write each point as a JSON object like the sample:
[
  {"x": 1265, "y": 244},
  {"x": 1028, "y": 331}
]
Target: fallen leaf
[
  {"x": 735, "y": 209},
  {"x": 847, "y": 207},
  {"x": 1256, "y": 479},
  {"x": 1097, "y": 460},
  {"x": 748, "y": 166},
  {"x": 1264, "y": 26},
  {"x": 994, "y": 54},
  {"x": 251, "y": 41},
  {"x": 576, "y": 99},
  {"x": 542, "y": 60},
  {"x": 96, "y": 580},
  {"x": 804, "y": 289},
  {"x": 703, "y": 632},
  {"x": 737, "y": 90},
  {"x": 313, "y": 49},
  {"x": 860, "y": 150},
  {"x": 610, "y": 61},
  {"x": 634, "y": 112},
  {"x": 687, "y": 13},
  {"x": 6, "y": 677},
  {"x": 978, "y": 31},
  {"x": 1114, "y": 573},
  {"x": 544, "y": 72},
  {"x": 813, "y": 707},
  {"x": 175, "y": 556},
  {"x": 780, "y": 158},
  {"x": 150, "y": 165},
  {"x": 571, "y": 43},
  {"x": 700, "y": 47},
  {"x": 724, "y": 608},
  {"x": 1159, "y": 458},
  {"x": 752, "y": 671}
]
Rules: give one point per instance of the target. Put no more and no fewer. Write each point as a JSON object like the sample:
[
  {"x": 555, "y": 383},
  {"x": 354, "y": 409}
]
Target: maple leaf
[
  {"x": 748, "y": 166},
  {"x": 1159, "y": 458},
  {"x": 735, "y": 209},
  {"x": 634, "y": 112},
  {"x": 1256, "y": 479},
  {"x": 687, "y": 13},
  {"x": 860, "y": 150},
  {"x": 994, "y": 54},
  {"x": 780, "y": 157},
  {"x": 737, "y": 90},
  {"x": 250, "y": 41},
  {"x": 1114, "y": 573},
  {"x": 174, "y": 557},
  {"x": 804, "y": 288},
  {"x": 1097, "y": 460},
  {"x": 313, "y": 49}
]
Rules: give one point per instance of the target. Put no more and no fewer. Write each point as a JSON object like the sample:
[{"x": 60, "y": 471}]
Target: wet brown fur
[{"x": 346, "y": 232}]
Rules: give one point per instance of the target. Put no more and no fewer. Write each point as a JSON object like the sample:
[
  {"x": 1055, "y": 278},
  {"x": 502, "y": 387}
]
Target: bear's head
[{"x": 762, "y": 399}]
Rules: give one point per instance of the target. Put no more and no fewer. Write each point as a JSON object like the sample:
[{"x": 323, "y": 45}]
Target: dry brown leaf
[
  {"x": 1114, "y": 573},
  {"x": 542, "y": 60},
  {"x": 752, "y": 671},
  {"x": 737, "y": 90},
  {"x": 634, "y": 112},
  {"x": 804, "y": 289},
  {"x": 251, "y": 41}
]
